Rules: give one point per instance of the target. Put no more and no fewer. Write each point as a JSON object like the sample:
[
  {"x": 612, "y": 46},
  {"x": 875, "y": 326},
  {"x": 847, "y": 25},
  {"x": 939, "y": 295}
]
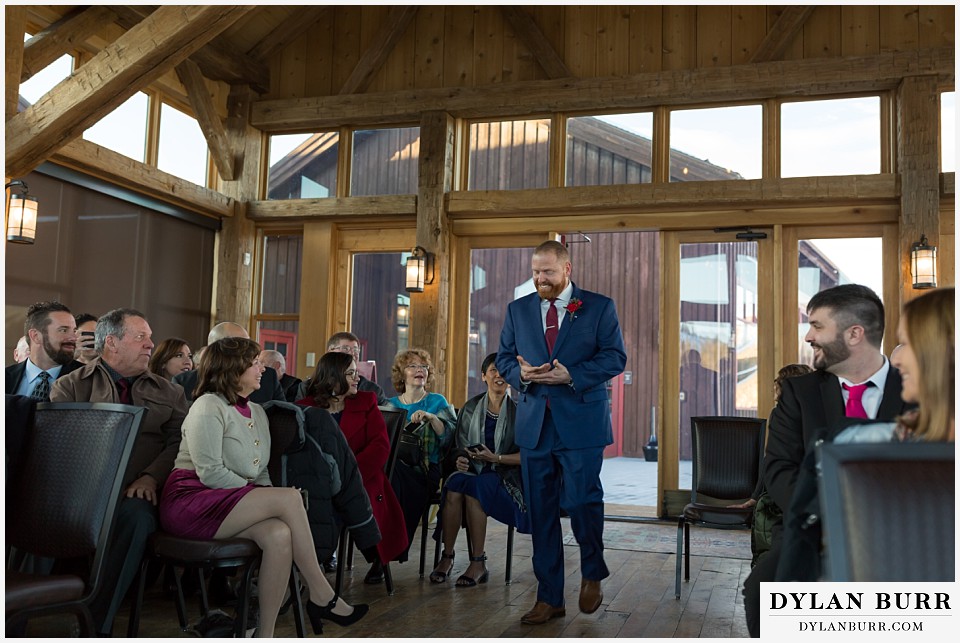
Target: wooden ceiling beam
[
  {"x": 526, "y": 28},
  {"x": 121, "y": 170},
  {"x": 816, "y": 77},
  {"x": 217, "y": 61},
  {"x": 210, "y": 124},
  {"x": 130, "y": 64},
  {"x": 62, "y": 37},
  {"x": 782, "y": 33},
  {"x": 15, "y": 19},
  {"x": 376, "y": 54},
  {"x": 301, "y": 18}
]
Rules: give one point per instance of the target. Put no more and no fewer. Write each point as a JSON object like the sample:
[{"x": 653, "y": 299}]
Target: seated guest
[
  {"x": 925, "y": 361},
  {"x": 411, "y": 373},
  {"x": 52, "y": 335},
  {"x": 269, "y": 384},
  {"x": 220, "y": 487},
  {"x": 22, "y": 351},
  {"x": 120, "y": 375},
  {"x": 487, "y": 477},
  {"x": 86, "y": 326},
  {"x": 334, "y": 387},
  {"x": 171, "y": 357},
  {"x": 289, "y": 383},
  {"x": 345, "y": 342}
]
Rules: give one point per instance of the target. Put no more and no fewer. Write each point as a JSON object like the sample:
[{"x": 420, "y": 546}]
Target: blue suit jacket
[{"x": 590, "y": 345}]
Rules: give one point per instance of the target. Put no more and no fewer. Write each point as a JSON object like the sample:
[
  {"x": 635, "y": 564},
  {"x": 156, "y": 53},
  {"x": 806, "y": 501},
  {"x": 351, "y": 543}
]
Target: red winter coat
[{"x": 366, "y": 433}]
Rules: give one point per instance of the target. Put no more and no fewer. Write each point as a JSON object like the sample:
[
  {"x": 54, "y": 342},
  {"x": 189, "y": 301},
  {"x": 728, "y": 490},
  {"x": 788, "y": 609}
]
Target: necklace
[{"x": 412, "y": 402}]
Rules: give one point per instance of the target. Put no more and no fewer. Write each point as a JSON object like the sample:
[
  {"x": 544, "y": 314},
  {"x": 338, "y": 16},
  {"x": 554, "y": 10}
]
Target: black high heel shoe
[{"x": 315, "y": 612}]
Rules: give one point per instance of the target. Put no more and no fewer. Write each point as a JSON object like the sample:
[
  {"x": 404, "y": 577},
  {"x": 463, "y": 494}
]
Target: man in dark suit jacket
[
  {"x": 274, "y": 360},
  {"x": 563, "y": 419},
  {"x": 51, "y": 332},
  {"x": 269, "y": 384},
  {"x": 846, "y": 330}
]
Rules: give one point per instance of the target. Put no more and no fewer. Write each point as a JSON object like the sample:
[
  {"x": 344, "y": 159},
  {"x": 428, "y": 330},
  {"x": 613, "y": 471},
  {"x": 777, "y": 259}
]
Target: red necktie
[
  {"x": 123, "y": 388},
  {"x": 855, "y": 400},
  {"x": 553, "y": 326}
]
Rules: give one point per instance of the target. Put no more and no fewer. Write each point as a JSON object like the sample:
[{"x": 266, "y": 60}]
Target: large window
[
  {"x": 509, "y": 155},
  {"x": 384, "y": 161},
  {"x": 46, "y": 79},
  {"x": 609, "y": 150},
  {"x": 380, "y": 311},
  {"x": 183, "y": 148},
  {"x": 278, "y": 318},
  {"x": 948, "y": 132},
  {"x": 716, "y": 144},
  {"x": 303, "y": 166},
  {"x": 123, "y": 130},
  {"x": 830, "y": 137}
]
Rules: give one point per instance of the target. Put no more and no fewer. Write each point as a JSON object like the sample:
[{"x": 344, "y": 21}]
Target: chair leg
[
  {"x": 686, "y": 554},
  {"x": 181, "y": 601},
  {"x": 243, "y": 610},
  {"x": 297, "y": 602},
  {"x": 133, "y": 627},
  {"x": 423, "y": 539},
  {"x": 341, "y": 555},
  {"x": 680, "y": 524},
  {"x": 388, "y": 579},
  {"x": 204, "y": 597},
  {"x": 350, "y": 549},
  {"x": 509, "y": 554},
  {"x": 87, "y": 628}
]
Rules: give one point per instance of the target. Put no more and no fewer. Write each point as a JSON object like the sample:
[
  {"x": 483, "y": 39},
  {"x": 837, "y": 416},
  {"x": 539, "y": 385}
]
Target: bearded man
[
  {"x": 853, "y": 380},
  {"x": 558, "y": 348},
  {"x": 51, "y": 332}
]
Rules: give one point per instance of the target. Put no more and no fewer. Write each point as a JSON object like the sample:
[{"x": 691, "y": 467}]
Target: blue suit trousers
[{"x": 554, "y": 477}]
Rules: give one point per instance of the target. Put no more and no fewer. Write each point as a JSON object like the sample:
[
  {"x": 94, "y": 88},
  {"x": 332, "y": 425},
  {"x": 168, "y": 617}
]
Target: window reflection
[{"x": 830, "y": 137}]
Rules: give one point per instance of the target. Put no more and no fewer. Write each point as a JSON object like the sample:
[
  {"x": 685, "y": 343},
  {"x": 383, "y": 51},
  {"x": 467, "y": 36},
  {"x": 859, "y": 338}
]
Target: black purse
[{"x": 410, "y": 450}]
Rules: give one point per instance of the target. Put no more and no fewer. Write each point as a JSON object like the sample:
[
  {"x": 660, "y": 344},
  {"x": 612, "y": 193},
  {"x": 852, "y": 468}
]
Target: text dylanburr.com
[{"x": 910, "y": 611}]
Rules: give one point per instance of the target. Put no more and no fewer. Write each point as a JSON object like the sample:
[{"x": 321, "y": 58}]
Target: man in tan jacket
[{"x": 120, "y": 375}]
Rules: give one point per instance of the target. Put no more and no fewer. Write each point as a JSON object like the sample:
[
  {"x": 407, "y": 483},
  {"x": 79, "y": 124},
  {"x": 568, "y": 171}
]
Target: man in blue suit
[{"x": 558, "y": 348}]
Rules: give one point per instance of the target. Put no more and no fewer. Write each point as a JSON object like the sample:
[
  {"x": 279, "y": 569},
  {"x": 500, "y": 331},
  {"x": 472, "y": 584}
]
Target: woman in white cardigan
[{"x": 220, "y": 487}]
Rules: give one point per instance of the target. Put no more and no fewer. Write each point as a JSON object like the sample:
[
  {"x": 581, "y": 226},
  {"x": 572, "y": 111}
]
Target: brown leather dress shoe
[
  {"x": 590, "y": 596},
  {"x": 541, "y": 613}
]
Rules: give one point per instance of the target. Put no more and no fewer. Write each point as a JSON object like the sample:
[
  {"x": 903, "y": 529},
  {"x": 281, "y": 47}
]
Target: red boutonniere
[{"x": 574, "y": 306}]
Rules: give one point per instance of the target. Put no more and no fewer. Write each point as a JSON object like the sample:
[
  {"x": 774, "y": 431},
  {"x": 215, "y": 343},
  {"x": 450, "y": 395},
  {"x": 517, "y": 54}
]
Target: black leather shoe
[
  {"x": 330, "y": 564},
  {"x": 375, "y": 575},
  {"x": 315, "y": 612}
]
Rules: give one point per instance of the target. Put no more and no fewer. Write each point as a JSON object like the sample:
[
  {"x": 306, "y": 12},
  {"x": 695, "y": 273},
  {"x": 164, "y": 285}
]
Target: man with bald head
[
  {"x": 269, "y": 384},
  {"x": 276, "y": 361}
]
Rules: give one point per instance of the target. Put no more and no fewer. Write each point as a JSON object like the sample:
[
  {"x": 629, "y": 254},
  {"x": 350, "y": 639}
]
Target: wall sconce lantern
[
  {"x": 21, "y": 214},
  {"x": 420, "y": 269},
  {"x": 923, "y": 264},
  {"x": 403, "y": 311}
]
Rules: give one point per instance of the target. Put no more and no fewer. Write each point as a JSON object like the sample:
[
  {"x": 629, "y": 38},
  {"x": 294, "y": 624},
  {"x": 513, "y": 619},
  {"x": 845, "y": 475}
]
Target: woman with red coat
[{"x": 334, "y": 387}]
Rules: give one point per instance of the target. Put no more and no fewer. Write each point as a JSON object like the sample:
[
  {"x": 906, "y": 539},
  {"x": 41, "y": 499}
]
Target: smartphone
[
  {"x": 474, "y": 447},
  {"x": 87, "y": 338}
]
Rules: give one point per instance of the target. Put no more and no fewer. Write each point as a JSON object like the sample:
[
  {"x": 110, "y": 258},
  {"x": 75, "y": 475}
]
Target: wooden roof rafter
[
  {"x": 530, "y": 34},
  {"x": 210, "y": 124},
  {"x": 396, "y": 24},
  {"x": 62, "y": 37},
  {"x": 294, "y": 26},
  {"x": 782, "y": 33}
]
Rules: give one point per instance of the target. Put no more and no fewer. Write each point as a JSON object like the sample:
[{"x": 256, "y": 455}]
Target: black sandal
[
  {"x": 441, "y": 577},
  {"x": 467, "y": 581}
]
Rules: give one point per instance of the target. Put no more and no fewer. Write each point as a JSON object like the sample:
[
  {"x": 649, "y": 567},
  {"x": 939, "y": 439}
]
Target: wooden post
[
  {"x": 235, "y": 256},
  {"x": 918, "y": 119},
  {"x": 429, "y": 310},
  {"x": 15, "y": 20}
]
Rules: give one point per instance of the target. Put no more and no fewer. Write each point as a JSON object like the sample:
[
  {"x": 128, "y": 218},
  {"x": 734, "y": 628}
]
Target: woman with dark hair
[
  {"x": 486, "y": 481},
  {"x": 171, "y": 357},
  {"x": 412, "y": 374},
  {"x": 334, "y": 387},
  {"x": 220, "y": 488}
]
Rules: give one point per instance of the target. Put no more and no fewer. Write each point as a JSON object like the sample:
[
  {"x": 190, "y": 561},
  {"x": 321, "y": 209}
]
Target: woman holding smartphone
[{"x": 86, "y": 325}]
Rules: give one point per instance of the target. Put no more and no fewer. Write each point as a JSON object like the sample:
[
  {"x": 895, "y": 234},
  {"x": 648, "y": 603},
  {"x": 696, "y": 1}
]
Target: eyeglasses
[
  {"x": 418, "y": 367},
  {"x": 343, "y": 348},
  {"x": 351, "y": 375}
]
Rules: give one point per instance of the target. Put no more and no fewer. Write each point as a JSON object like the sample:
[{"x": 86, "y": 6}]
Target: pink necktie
[
  {"x": 855, "y": 400},
  {"x": 553, "y": 326}
]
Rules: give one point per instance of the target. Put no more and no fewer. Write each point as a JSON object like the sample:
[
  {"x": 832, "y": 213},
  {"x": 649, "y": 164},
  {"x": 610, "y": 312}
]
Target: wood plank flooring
[{"x": 638, "y": 600}]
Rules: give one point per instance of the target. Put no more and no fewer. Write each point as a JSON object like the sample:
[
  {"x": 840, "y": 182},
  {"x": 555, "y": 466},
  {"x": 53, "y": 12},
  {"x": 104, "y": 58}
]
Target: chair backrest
[
  {"x": 888, "y": 511},
  {"x": 64, "y": 496},
  {"x": 395, "y": 418},
  {"x": 286, "y": 436},
  {"x": 727, "y": 451}
]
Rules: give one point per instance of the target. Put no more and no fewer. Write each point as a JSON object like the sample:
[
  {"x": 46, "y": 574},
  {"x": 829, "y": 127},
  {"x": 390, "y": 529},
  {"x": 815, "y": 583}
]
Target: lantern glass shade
[
  {"x": 923, "y": 265},
  {"x": 416, "y": 272},
  {"x": 403, "y": 314},
  {"x": 21, "y": 219}
]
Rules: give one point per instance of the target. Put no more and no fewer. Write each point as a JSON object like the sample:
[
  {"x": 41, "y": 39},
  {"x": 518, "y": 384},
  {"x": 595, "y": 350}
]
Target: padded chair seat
[
  {"x": 718, "y": 515},
  {"x": 27, "y": 590},
  {"x": 189, "y": 550}
]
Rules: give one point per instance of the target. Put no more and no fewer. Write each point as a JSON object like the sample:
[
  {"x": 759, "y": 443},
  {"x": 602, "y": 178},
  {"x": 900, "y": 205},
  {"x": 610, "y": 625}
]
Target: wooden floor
[{"x": 638, "y": 600}]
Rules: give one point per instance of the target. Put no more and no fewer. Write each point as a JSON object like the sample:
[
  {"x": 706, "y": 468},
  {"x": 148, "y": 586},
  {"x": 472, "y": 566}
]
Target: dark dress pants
[{"x": 765, "y": 571}]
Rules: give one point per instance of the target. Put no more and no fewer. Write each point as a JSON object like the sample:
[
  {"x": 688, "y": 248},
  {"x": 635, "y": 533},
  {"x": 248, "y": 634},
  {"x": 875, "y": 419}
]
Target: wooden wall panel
[
  {"x": 822, "y": 33},
  {"x": 679, "y": 37},
  {"x": 428, "y": 56},
  {"x": 346, "y": 44},
  {"x": 552, "y": 22},
  {"x": 488, "y": 45},
  {"x": 747, "y": 29},
  {"x": 580, "y": 40},
  {"x": 899, "y": 27},
  {"x": 458, "y": 59},
  {"x": 371, "y": 20},
  {"x": 613, "y": 29},
  {"x": 397, "y": 72},
  {"x": 794, "y": 50},
  {"x": 861, "y": 30},
  {"x": 937, "y": 25},
  {"x": 291, "y": 83},
  {"x": 319, "y": 81},
  {"x": 714, "y": 27},
  {"x": 646, "y": 39}
]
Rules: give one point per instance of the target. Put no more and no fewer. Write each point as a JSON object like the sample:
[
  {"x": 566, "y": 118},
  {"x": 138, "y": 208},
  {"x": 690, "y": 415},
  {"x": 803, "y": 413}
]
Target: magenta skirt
[{"x": 189, "y": 509}]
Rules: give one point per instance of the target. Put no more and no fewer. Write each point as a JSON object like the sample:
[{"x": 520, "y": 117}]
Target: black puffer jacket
[{"x": 327, "y": 470}]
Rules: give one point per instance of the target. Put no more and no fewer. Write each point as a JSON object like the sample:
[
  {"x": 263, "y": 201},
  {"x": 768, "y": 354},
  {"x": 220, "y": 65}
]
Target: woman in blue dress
[
  {"x": 412, "y": 373},
  {"x": 487, "y": 477}
]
